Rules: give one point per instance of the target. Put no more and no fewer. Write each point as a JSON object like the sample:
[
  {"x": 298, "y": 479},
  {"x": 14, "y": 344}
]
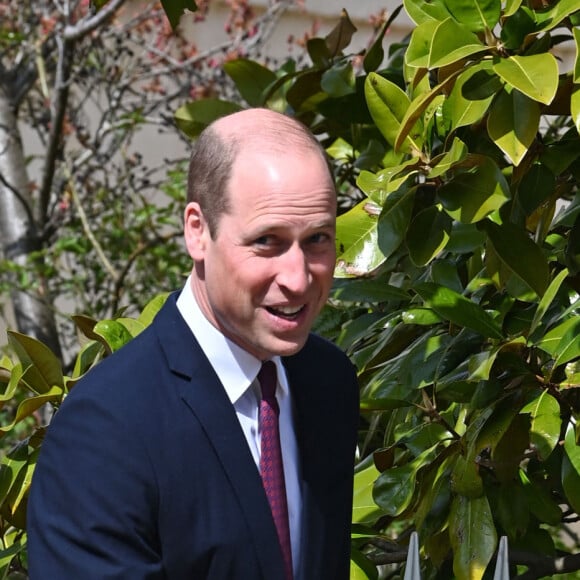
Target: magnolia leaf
[
  {"x": 420, "y": 11},
  {"x": 341, "y": 35},
  {"x": 43, "y": 368},
  {"x": 473, "y": 194},
  {"x": 114, "y": 334},
  {"x": 460, "y": 110},
  {"x": 31, "y": 404},
  {"x": 394, "y": 220},
  {"x": 540, "y": 501},
  {"x": 152, "y": 308},
  {"x": 546, "y": 423},
  {"x": 535, "y": 76},
  {"x": 175, "y": 8},
  {"x": 364, "y": 508},
  {"x": 441, "y": 164},
  {"x": 339, "y": 80},
  {"x": 476, "y": 15},
  {"x": 575, "y": 106},
  {"x": 251, "y": 79},
  {"x": 520, "y": 254},
  {"x": 357, "y": 237},
  {"x": 473, "y": 536},
  {"x": 458, "y": 309},
  {"x": 394, "y": 488},
  {"x": 563, "y": 341},
  {"x": 465, "y": 478},
  {"x": 547, "y": 299},
  {"x": 428, "y": 234},
  {"x": 411, "y": 122},
  {"x": 388, "y": 104},
  {"x": 192, "y": 118},
  {"x": 557, "y": 12},
  {"x": 513, "y": 123},
  {"x": 571, "y": 469},
  {"x": 368, "y": 291},
  {"x": 417, "y": 54},
  {"x": 451, "y": 43}
]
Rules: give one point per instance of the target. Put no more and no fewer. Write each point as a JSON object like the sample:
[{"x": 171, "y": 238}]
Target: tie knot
[{"x": 268, "y": 380}]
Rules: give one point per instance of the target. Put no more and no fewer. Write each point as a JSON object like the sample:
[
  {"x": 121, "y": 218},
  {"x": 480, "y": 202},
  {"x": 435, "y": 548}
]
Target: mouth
[{"x": 286, "y": 312}]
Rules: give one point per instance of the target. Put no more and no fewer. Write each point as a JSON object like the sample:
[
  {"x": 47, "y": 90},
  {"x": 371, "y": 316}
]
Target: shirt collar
[{"x": 235, "y": 367}]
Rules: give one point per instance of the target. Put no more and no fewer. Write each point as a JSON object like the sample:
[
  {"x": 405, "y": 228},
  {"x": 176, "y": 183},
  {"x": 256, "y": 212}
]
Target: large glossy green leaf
[
  {"x": 192, "y": 118},
  {"x": 475, "y": 193},
  {"x": 458, "y": 309},
  {"x": 30, "y": 405},
  {"x": 43, "y": 369},
  {"x": 388, "y": 104},
  {"x": 458, "y": 109},
  {"x": 421, "y": 11},
  {"x": 451, "y": 43},
  {"x": 476, "y": 15},
  {"x": 364, "y": 508},
  {"x": 114, "y": 334},
  {"x": 395, "y": 487},
  {"x": 473, "y": 536},
  {"x": 465, "y": 479},
  {"x": 557, "y": 12},
  {"x": 548, "y": 298},
  {"x": 357, "y": 237},
  {"x": 540, "y": 501},
  {"x": 444, "y": 162},
  {"x": 546, "y": 423},
  {"x": 428, "y": 234},
  {"x": 339, "y": 80},
  {"x": 535, "y": 76},
  {"x": 418, "y": 111},
  {"x": 152, "y": 308},
  {"x": 571, "y": 469},
  {"x": 563, "y": 341},
  {"x": 575, "y": 106},
  {"x": 175, "y": 8},
  {"x": 513, "y": 123},
  {"x": 394, "y": 220},
  {"x": 251, "y": 79},
  {"x": 365, "y": 290},
  {"x": 417, "y": 54},
  {"x": 519, "y": 253}
]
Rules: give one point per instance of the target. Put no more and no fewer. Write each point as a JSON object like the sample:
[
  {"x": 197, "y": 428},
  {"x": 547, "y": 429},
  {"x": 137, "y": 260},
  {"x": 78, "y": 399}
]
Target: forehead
[{"x": 278, "y": 176}]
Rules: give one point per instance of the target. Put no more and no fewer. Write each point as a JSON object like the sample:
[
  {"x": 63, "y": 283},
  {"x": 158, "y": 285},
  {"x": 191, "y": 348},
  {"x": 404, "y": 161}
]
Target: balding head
[{"x": 217, "y": 148}]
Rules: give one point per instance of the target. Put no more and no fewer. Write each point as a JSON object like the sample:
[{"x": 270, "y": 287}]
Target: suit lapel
[{"x": 207, "y": 400}]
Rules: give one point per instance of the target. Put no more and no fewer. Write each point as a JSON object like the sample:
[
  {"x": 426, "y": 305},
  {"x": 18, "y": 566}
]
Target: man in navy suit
[{"x": 150, "y": 469}]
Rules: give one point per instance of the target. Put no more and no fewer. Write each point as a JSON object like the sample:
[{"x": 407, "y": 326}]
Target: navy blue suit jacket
[{"x": 145, "y": 473}]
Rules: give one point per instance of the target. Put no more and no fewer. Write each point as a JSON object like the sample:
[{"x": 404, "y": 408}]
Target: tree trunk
[{"x": 18, "y": 232}]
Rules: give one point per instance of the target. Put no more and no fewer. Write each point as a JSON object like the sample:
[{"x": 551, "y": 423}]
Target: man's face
[{"x": 266, "y": 276}]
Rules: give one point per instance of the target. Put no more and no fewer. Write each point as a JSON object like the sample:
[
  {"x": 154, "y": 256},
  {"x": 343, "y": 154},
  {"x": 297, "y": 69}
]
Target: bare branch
[{"x": 90, "y": 23}]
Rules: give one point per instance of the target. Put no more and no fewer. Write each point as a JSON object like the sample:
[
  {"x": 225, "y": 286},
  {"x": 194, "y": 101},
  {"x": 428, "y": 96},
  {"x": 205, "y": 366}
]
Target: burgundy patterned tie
[{"x": 271, "y": 466}]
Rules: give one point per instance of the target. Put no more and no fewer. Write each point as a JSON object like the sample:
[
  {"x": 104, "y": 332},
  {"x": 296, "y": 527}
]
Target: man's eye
[
  {"x": 263, "y": 241},
  {"x": 319, "y": 238}
]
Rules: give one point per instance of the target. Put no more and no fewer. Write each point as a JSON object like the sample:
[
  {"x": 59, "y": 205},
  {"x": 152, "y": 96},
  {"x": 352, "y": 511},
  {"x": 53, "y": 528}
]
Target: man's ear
[{"x": 195, "y": 231}]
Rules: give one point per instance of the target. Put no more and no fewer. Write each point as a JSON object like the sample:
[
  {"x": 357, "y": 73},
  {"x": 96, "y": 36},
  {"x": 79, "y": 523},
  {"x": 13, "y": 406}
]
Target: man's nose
[{"x": 293, "y": 270}]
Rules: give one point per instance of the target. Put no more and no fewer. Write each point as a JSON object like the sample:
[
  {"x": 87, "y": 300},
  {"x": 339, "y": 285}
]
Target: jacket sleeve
[{"x": 92, "y": 499}]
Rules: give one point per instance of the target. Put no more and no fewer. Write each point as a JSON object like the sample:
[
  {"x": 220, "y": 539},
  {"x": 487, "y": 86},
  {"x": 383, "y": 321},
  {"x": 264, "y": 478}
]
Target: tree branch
[{"x": 88, "y": 24}]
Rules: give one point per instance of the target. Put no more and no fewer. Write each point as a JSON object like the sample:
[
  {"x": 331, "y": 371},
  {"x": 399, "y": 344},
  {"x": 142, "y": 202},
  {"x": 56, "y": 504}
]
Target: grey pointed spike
[
  {"x": 413, "y": 567},
  {"x": 502, "y": 562}
]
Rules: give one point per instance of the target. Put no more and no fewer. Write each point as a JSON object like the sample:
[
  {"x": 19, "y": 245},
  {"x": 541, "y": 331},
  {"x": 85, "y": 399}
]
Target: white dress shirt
[{"x": 237, "y": 370}]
